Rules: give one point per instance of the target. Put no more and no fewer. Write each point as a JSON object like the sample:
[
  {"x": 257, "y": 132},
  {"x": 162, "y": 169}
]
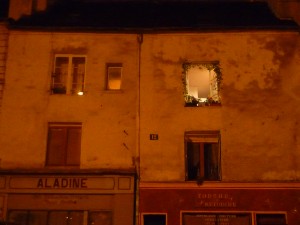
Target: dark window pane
[
  {"x": 211, "y": 161},
  {"x": 75, "y": 218},
  {"x": 60, "y": 75},
  {"x": 37, "y": 218},
  {"x": 154, "y": 219},
  {"x": 270, "y": 219},
  {"x": 18, "y": 217},
  {"x": 193, "y": 160},
  {"x": 58, "y": 218},
  {"x": 100, "y": 218}
]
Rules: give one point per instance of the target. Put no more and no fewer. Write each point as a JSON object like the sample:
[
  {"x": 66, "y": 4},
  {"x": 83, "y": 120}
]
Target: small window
[
  {"x": 68, "y": 75},
  {"x": 202, "y": 150},
  {"x": 201, "y": 83},
  {"x": 114, "y": 76},
  {"x": 154, "y": 219},
  {"x": 270, "y": 219},
  {"x": 64, "y": 144}
]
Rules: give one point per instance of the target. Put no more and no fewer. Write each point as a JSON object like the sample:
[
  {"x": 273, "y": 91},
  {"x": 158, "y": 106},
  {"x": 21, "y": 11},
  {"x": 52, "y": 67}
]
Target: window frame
[
  {"x": 107, "y": 82},
  {"x": 201, "y": 138},
  {"x": 191, "y": 100},
  {"x": 67, "y": 86},
  {"x": 67, "y": 152}
]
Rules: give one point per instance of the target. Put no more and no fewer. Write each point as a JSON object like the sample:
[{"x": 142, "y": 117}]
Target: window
[
  {"x": 154, "y": 219},
  {"x": 68, "y": 75},
  {"x": 100, "y": 218},
  {"x": 64, "y": 144},
  {"x": 202, "y": 83},
  {"x": 202, "y": 150},
  {"x": 270, "y": 219},
  {"x": 216, "y": 218},
  {"x": 114, "y": 75},
  {"x": 62, "y": 217}
]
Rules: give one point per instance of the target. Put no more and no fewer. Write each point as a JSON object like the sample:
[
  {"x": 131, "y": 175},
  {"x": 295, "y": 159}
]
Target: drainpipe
[{"x": 138, "y": 133}]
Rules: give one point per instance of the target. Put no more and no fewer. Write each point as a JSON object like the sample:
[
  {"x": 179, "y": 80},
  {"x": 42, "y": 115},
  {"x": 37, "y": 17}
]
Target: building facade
[{"x": 178, "y": 118}]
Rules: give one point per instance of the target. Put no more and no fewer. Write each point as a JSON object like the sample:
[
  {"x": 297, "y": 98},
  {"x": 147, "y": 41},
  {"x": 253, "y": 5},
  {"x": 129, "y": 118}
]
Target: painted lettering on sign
[
  {"x": 222, "y": 200},
  {"x": 62, "y": 183}
]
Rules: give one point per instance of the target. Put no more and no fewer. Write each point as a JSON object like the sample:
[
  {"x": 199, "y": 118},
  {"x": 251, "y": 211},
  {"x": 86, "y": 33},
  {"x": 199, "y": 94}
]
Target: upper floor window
[
  {"x": 202, "y": 152},
  {"x": 64, "y": 144},
  {"x": 114, "y": 76},
  {"x": 68, "y": 74},
  {"x": 201, "y": 83}
]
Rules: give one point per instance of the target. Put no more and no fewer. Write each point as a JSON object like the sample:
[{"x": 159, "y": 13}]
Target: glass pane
[
  {"x": 270, "y": 219},
  {"x": 78, "y": 72},
  {"x": 58, "y": 218},
  {"x": 74, "y": 146},
  {"x": 217, "y": 219},
  {"x": 59, "y": 78},
  {"x": 18, "y": 217},
  {"x": 114, "y": 78},
  {"x": 193, "y": 160},
  {"x": 154, "y": 219},
  {"x": 211, "y": 161},
  {"x": 75, "y": 218},
  {"x": 56, "y": 146},
  {"x": 37, "y": 218},
  {"x": 198, "y": 83},
  {"x": 100, "y": 218}
]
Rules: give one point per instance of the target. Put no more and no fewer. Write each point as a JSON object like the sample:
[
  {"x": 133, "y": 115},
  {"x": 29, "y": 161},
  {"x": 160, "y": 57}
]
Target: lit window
[
  {"x": 202, "y": 83},
  {"x": 114, "y": 76},
  {"x": 68, "y": 75},
  {"x": 202, "y": 155},
  {"x": 64, "y": 144}
]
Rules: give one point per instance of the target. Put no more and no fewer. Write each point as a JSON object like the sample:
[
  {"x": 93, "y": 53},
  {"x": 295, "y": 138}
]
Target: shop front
[
  {"x": 219, "y": 204},
  {"x": 68, "y": 199}
]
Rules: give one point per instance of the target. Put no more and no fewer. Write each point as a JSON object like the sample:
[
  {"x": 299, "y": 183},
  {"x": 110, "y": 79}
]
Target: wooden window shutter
[{"x": 56, "y": 146}]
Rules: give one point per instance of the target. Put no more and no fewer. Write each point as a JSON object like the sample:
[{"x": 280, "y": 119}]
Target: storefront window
[
  {"x": 154, "y": 219},
  {"x": 270, "y": 219},
  {"x": 100, "y": 218},
  {"x": 216, "y": 219},
  {"x": 43, "y": 217}
]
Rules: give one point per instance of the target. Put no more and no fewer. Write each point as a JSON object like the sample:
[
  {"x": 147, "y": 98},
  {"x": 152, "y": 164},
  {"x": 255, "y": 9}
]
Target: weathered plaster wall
[
  {"x": 259, "y": 115},
  {"x": 108, "y": 117}
]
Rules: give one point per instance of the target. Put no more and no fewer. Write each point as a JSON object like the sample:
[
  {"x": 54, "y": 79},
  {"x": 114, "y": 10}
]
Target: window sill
[{"x": 201, "y": 104}]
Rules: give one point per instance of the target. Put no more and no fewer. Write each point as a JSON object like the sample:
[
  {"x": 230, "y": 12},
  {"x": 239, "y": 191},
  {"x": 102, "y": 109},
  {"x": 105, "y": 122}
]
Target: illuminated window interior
[
  {"x": 114, "y": 76},
  {"x": 202, "y": 83}
]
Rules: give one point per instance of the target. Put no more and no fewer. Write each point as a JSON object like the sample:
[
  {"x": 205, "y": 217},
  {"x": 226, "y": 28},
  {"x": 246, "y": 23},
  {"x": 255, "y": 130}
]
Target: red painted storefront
[{"x": 177, "y": 201}]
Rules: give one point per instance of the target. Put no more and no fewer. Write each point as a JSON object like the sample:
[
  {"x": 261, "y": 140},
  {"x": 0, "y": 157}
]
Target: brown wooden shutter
[
  {"x": 73, "y": 146},
  {"x": 56, "y": 146}
]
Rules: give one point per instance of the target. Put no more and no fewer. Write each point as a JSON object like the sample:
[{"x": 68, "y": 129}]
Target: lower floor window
[
  {"x": 154, "y": 219},
  {"x": 216, "y": 219},
  {"x": 270, "y": 219},
  {"x": 202, "y": 153},
  {"x": 61, "y": 217}
]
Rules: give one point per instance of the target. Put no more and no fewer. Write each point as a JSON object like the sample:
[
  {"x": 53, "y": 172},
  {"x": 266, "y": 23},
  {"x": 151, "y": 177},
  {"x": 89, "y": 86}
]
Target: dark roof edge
[{"x": 156, "y": 30}]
